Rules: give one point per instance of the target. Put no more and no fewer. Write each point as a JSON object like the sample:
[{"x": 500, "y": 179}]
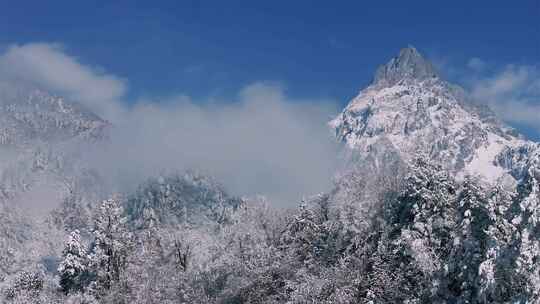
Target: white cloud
[
  {"x": 476, "y": 64},
  {"x": 261, "y": 142},
  {"x": 513, "y": 93},
  {"x": 48, "y": 66}
]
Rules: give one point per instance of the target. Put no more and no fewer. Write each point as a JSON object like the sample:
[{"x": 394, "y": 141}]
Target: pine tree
[
  {"x": 528, "y": 222},
  {"x": 422, "y": 222},
  {"x": 303, "y": 236},
  {"x": 26, "y": 285},
  {"x": 470, "y": 242},
  {"x": 73, "y": 265},
  {"x": 112, "y": 244},
  {"x": 72, "y": 213},
  {"x": 494, "y": 272}
]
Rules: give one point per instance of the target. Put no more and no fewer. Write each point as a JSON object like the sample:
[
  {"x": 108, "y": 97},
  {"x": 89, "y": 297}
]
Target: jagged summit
[
  {"x": 409, "y": 64},
  {"x": 408, "y": 110}
]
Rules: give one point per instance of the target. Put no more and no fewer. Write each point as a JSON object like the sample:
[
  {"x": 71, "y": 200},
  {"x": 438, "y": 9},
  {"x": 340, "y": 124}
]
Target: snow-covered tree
[
  {"x": 469, "y": 243},
  {"x": 112, "y": 245},
  {"x": 72, "y": 213},
  {"x": 74, "y": 264},
  {"x": 495, "y": 271},
  {"x": 25, "y": 284},
  {"x": 528, "y": 222},
  {"x": 303, "y": 237},
  {"x": 422, "y": 220}
]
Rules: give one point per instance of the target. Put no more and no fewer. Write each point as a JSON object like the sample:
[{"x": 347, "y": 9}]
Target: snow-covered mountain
[
  {"x": 397, "y": 228},
  {"x": 37, "y": 170},
  {"x": 409, "y": 110},
  {"x": 37, "y": 130},
  {"x": 28, "y": 115}
]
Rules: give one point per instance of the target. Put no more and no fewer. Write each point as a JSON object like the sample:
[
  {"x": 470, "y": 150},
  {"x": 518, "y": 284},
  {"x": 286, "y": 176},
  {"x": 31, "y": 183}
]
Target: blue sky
[
  {"x": 319, "y": 49},
  {"x": 244, "y": 90},
  {"x": 315, "y": 47}
]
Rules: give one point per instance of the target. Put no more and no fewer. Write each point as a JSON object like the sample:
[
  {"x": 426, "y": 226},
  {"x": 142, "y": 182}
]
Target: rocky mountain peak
[
  {"x": 409, "y": 110},
  {"x": 409, "y": 64}
]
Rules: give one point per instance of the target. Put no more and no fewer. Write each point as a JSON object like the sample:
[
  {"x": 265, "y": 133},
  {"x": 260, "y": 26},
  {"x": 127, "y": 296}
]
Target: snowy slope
[
  {"x": 28, "y": 115},
  {"x": 409, "y": 108},
  {"x": 37, "y": 130},
  {"x": 37, "y": 168}
]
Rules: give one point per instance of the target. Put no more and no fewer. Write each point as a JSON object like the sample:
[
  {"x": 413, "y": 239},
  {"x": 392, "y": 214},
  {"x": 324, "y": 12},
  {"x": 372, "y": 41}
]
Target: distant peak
[
  {"x": 408, "y": 64},
  {"x": 409, "y": 52}
]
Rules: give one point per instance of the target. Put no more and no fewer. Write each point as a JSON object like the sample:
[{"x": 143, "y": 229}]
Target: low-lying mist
[{"x": 260, "y": 143}]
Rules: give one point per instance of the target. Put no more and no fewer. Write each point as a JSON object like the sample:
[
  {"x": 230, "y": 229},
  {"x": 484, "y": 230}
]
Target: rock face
[
  {"x": 410, "y": 110},
  {"x": 522, "y": 161},
  {"x": 409, "y": 64},
  {"x": 30, "y": 115}
]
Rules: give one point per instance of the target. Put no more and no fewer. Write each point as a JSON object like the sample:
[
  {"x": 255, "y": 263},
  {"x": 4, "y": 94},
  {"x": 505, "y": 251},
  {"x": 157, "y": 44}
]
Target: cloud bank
[
  {"x": 47, "y": 66},
  {"x": 261, "y": 142},
  {"x": 513, "y": 92}
]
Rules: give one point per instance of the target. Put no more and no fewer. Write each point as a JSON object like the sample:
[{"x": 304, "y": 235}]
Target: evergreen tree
[
  {"x": 73, "y": 265},
  {"x": 112, "y": 245},
  {"x": 528, "y": 222},
  {"x": 303, "y": 236},
  {"x": 422, "y": 222},
  {"x": 494, "y": 272},
  {"x": 470, "y": 242}
]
